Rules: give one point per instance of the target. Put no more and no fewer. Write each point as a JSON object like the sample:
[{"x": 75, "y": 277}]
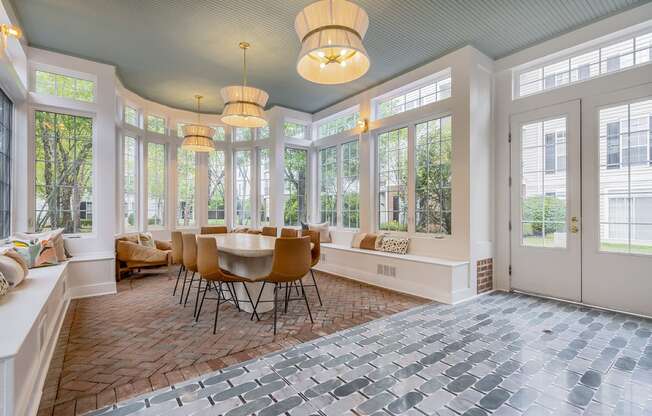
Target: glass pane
[
  {"x": 295, "y": 197},
  {"x": 216, "y": 188},
  {"x": 393, "y": 173},
  {"x": 242, "y": 166},
  {"x": 186, "y": 171},
  {"x": 130, "y": 183},
  {"x": 328, "y": 184},
  {"x": 263, "y": 186},
  {"x": 156, "y": 184}
]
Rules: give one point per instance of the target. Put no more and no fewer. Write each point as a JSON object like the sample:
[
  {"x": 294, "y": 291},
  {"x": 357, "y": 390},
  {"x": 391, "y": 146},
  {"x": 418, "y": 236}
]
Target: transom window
[
  {"x": 6, "y": 112},
  {"x": 186, "y": 173},
  {"x": 130, "y": 183},
  {"x": 64, "y": 172},
  {"x": 295, "y": 195},
  {"x": 420, "y": 93},
  {"x": 131, "y": 116},
  {"x": 262, "y": 133},
  {"x": 328, "y": 184},
  {"x": 156, "y": 184},
  {"x": 241, "y": 134},
  {"x": 156, "y": 124},
  {"x": 216, "y": 191},
  {"x": 393, "y": 180},
  {"x": 64, "y": 86},
  {"x": 220, "y": 133},
  {"x": 295, "y": 130},
  {"x": 614, "y": 56},
  {"x": 338, "y": 124}
]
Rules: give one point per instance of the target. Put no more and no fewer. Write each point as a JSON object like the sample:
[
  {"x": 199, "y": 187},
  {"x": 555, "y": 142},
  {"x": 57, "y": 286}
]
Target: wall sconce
[
  {"x": 363, "y": 125},
  {"x": 7, "y": 31}
]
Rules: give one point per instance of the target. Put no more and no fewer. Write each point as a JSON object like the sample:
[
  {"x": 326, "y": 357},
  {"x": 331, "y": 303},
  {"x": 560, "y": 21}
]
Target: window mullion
[{"x": 411, "y": 179}]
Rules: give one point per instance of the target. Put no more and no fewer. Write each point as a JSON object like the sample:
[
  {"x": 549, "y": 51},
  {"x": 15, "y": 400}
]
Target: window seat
[{"x": 439, "y": 279}]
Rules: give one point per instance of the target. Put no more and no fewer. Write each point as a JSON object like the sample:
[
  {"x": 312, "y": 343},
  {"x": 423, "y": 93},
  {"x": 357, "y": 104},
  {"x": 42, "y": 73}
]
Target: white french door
[{"x": 546, "y": 202}]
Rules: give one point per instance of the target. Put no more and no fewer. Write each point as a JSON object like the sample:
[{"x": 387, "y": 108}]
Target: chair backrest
[
  {"x": 177, "y": 247},
  {"x": 289, "y": 232},
  {"x": 190, "y": 252},
  {"x": 253, "y": 231},
  {"x": 219, "y": 229},
  {"x": 315, "y": 239},
  {"x": 291, "y": 259},
  {"x": 270, "y": 231},
  {"x": 207, "y": 259}
]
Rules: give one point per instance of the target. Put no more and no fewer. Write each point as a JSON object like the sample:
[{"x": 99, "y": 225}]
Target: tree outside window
[{"x": 296, "y": 167}]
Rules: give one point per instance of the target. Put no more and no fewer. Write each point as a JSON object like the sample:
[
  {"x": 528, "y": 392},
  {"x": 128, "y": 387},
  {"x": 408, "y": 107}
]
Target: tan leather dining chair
[
  {"x": 315, "y": 255},
  {"x": 218, "y": 229},
  {"x": 291, "y": 262},
  {"x": 189, "y": 263},
  {"x": 177, "y": 256},
  {"x": 289, "y": 232},
  {"x": 270, "y": 231},
  {"x": 208, "y": 265}
]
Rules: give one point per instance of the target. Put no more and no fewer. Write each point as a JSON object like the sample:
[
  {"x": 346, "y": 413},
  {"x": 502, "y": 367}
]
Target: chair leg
[
  {"x": 306, "y": 299},
  {"x": 234, "y": 297},
  {"x": 217, "y": 308},
  {"x": 183, "y": 287},
  {"x": 288, "y": 292},
  {"x": 178, "y": 278},
  {"x": 251, "y": 302},
  {"x": 201, "y": 304},
  {"x": 189, "y": 287},
  {"x": 275, "y": 306},
  {"x": 316, "y": 287},
  {"x": 197, "y": 297},
  {"x": 258, "y": 300}
]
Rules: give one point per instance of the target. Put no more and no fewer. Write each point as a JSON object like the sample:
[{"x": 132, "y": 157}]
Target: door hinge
[
  {"x": 510, "y": 181},
  {"x": 510, "y": 270},
  {"x": 509, "y": 138},
  {"x": 510, "y": 226}
]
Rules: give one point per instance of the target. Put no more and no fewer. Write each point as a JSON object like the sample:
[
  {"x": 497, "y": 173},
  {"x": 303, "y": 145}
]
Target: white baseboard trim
[{"x": 87, "y": 291}]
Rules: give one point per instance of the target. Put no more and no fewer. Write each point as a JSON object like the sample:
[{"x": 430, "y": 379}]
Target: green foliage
[
  {"x": 393, "y": 225},
  {"x": 538, "y": 210},
  {"x": 296, "y": 166}
]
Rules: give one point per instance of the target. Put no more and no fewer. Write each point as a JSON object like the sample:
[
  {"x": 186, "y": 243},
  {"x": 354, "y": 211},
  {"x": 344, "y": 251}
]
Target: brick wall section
[{"x": 485, "y": 275}]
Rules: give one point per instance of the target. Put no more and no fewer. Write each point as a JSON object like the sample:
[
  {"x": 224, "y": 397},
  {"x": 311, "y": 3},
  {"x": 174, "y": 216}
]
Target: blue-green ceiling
[{"x": 168, "y": 50}]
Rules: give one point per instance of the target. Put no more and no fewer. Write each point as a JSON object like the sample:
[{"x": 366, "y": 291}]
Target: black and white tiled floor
[{"x": 501, "y": 354}]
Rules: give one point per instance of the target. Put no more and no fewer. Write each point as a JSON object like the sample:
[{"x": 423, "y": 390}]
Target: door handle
[{"x": 574, "y": 227}]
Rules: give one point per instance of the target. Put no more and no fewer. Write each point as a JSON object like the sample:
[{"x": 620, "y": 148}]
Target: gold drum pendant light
[
  {"x": 198, "y": 137},
  {"x": 244, "y": 105},
  {"x": 331, "y": 33}
]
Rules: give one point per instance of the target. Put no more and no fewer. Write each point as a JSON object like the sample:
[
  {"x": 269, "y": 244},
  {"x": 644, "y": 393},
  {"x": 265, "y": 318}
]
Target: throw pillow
[
  {"x": 11, "y": 270},
  {"x": 368, "y": 242},
  {"x": 47, "y": 256},
  {"x": 396, "y": 245},
  {"x": 56, "y": 236},
  {"x": 323, "y": 229},
  {"x": 12, "y": 253},
  {"x": 29, "y": 252},
  {"x": 4, "y": 285},
  {"x": 357, "y": 239},
  {"x": 379, "y": 242},
  {"x": 146, "y": 239}
]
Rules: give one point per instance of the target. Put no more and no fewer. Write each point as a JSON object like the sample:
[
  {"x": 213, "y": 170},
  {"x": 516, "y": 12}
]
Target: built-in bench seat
[{"x": 433, "y": 278}]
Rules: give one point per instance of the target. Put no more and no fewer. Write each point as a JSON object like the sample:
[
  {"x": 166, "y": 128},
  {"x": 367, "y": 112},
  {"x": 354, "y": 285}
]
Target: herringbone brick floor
[{"x": 119, "y": 346}]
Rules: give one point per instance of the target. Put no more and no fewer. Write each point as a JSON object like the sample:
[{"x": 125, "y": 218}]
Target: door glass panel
[
  {"x": 543, "y": 183},
  {"x": 626, "y": 178}
]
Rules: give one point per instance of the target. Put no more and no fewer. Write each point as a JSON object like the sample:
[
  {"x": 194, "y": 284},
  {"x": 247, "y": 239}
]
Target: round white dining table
[{"x": 247, "y": 255}]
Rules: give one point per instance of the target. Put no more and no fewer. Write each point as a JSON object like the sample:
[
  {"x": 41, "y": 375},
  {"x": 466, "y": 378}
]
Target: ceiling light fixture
[
  {"x": 245, "y": 106},
  {"x": 331, "y": 33},
  {"x": 8, "y": 30},
  {"x": 198, "y": 137}
]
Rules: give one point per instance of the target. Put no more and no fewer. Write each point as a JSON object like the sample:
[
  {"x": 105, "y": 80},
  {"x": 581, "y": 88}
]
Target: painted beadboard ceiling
[{"x": 169, "y": 50}]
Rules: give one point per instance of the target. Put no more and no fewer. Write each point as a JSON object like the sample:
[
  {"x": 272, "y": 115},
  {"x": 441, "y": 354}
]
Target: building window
[
  {"x": 262, "y": 133},
  {"x": 131, "y": 116},
  {"x": 392, "y": 148},
  {"x": 555, "y": 152},
  {"x": 338, "y": 124},
  {"x": 328, "y": 185},
  {"x": 156, "y": 184},
  {"x": 263, "y": 186},
  {"x": 241, "y": 134},
  {"x": 433, "y": 151},
  {"x": 295, "y": 130},
  {"x": 625, "y": 178},
  {"x": 130, "y": 184},
  {"x": 295, "y": 196},
  {"x": 429, "y": 90},
  {"x": 64, "y": 172},
  {"x": 186, "y": 172},
  {"x": 242, "y": 166},
  {"x": 589, "y": 64},
  {"x": 64, "y": 86},
  {"x": 6, "y": 113},
  {"x": 350, "y": 185},
  {"x": 156, "y": 124},
  {"x": 216, "y": 190}
]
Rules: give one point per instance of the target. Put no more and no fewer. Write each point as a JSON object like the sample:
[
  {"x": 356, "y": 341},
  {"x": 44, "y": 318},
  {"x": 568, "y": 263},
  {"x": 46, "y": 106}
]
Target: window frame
[
  {"x": 9, "y": 165},
  {"x": 166, "y": 184},
  {"x": 225, "y": 175},
  {"x": 56, "y": 71},
  {"x": 337, "y": 148},
  {"x": 306, "y": 185},
  {"x": 137, "y": 182},
  {"x": 147, "y": 124},
  {"x": 234, "y": 180},
  {"x": 195, "y": 201},
  {"x": 353, "y": 111},
  {"x": 125, "y": 123}
]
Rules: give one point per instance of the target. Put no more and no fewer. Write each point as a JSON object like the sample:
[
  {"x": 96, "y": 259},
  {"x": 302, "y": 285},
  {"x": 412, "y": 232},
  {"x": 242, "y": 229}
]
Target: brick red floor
[{"x": 119, "y": 346}]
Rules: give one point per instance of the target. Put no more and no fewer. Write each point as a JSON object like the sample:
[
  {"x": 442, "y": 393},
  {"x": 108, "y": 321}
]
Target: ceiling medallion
[
  {"x": 198, "y": 137},
  {"x": 331, "y": 33},
  {"x": 244, "y": 105}
]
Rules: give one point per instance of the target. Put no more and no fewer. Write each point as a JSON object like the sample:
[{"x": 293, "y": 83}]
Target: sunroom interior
[{"x": 325, "y": 207}]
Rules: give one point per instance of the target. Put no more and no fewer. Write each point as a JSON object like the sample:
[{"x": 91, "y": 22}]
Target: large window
[
  {"x": 350, "y": 185},
  {"x": 433, "y": 176},
  {"x": 216, "y": 188},
  {"x": 6, "y": 111},
  {"x": 338, "y": 124},
  {"x": 393, "y": 180},
  {"x": 295, "y": 196},
  {"x": 156, "y": 124},
  {"x": 626, "y": 178},
  {"x": 328, "y": 185},
  {"x": 156, "y": 184},
  {"x": 242, "y": 166},
  {"x": 186, "y": 172},
  {"x": 130, "y": 184},
  {"x": 263, "y": 186},
  {"x": 64, "y": 172},
  {"x": 588, "y": 64},
  {"x": 434, "y": 88},
  {"x": 64, "y": 86},
  {"x": 295, "y": 130}
]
